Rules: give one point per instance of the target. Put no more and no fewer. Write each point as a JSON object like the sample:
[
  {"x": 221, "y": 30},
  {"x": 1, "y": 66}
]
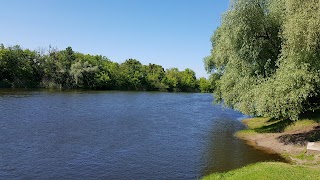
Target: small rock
[{"x": 313, "y": 146}]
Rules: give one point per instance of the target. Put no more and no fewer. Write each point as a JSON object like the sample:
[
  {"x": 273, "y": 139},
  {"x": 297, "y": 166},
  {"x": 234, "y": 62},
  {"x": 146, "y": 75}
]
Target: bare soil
[{"x": 292, "y": 145}]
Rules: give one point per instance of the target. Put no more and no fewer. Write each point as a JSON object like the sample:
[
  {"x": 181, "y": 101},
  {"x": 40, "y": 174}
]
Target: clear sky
[{"x": 171, "y": 33}]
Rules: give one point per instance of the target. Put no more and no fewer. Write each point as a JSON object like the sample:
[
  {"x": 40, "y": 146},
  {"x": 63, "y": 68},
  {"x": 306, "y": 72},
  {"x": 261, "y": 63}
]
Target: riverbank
[
  {"x": 268, "y": 171},
  {"x": 285, "y": 137}
]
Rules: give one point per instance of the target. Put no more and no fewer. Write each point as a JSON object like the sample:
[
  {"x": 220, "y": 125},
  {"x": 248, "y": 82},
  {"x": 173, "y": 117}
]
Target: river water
[{"x": 118, "y": 135}]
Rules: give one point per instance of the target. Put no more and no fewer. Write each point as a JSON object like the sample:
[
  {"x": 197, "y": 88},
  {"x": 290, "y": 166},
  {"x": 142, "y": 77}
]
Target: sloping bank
[{"x": 285, "y": 137}]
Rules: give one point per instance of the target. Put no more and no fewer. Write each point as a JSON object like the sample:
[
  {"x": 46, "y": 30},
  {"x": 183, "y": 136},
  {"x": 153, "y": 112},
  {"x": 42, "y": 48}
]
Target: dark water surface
[{"x": 118, "y": 135}]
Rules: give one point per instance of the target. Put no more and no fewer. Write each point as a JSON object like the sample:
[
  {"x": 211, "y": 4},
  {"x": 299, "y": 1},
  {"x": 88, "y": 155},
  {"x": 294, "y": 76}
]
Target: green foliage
[
  {"x": 177, "y": 80},
  {"x": 205, "y": 85},
  {"x": 188, "y": 80},
  {"x": 18, "y": 68},
  {"x": 69, "y": 69},
  {"x": 133, "y": 74},
  {"x": 266, "y": 53},
  {"x": 83, "y": 74},
  {"x": 155, "y": 74},
  {"x": 172, "y": 79}
]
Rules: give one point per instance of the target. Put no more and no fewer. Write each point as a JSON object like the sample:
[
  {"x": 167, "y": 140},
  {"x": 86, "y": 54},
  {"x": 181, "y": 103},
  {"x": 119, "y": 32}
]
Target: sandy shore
[{"x": 291, "y": 143}]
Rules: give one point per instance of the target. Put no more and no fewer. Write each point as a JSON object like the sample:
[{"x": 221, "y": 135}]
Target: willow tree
[{"x": 265, "y": 53}]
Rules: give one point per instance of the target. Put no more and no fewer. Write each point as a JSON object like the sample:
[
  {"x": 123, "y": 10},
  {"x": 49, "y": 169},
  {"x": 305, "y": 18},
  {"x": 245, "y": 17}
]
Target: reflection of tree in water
[{"x": 226, "y": 152}]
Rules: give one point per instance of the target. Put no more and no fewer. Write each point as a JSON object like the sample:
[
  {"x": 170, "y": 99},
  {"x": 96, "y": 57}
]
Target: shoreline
[
  {"x": 294, "y": 153},
  {"x": 284, "y": 137}
]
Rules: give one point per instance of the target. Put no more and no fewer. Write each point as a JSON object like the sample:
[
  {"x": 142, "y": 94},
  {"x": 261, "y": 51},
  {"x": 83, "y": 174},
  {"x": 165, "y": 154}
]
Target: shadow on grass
[
  {"x": 313, "y": 115},
  {"x": 273, "y": 120},
  {"x": 301, "y": 138},
  {"x": 276, "y": 127}
]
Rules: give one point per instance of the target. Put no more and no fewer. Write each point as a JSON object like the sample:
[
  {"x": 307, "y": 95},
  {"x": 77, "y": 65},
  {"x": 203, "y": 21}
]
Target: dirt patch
[
  {"x": 290, "y": 144},
  {"x": 301, "y": 138}
]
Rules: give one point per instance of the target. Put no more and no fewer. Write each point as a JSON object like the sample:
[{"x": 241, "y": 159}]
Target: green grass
[
  {"x": 253, "y": 123},
  {"x": 268, "y": 170},
  {"x": 245, "y": 132},
  {"x": 304, "y": 156},
  {"x": 277, "y": 170},
  {"x": 267, "y": 125},
  {"x": 298, "y": 125}
]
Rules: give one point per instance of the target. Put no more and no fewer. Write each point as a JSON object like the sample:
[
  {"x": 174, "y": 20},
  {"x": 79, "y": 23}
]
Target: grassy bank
[
  {"x": 269, "y": 170},
  {"x": 285, "y": 137}
]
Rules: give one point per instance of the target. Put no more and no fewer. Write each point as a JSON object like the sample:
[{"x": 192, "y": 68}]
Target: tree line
[
  {"x": 66, "y": 69},
  {"x": 266, "y": 57}
]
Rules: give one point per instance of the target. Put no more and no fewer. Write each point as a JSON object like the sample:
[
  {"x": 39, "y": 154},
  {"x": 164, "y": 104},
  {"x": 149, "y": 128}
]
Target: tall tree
[
  {"x": 188, "y": 81},
  {"x": 155, "y": 74},
  {"x": 133, "y": 74},
  {"x": 265, "y": 55},
  {"x": 172, "y": 79},
  {"x": 205, "y": 85}
]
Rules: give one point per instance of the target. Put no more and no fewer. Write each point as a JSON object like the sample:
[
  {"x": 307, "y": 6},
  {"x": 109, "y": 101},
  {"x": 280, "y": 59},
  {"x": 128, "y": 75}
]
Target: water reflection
[
  {"x": 118, "y": 135},
  {"x": 226, "y": 152}
]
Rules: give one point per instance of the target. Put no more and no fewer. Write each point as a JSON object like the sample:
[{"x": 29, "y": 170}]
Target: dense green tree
[
  {"x": 172, "y": 79},
  {"x": 83, "y": 74},
  {"x": 68, "y": 69},
  {"x": 65, "y": 59},
  {"x": 132, "y": 74},
  {"x": 50, "y": 76},
  {"x": 188, "y": 80},
  {"x": 107, "y": 76},
  {"x": 18, "y": 68},
  {"x": 155, "y": 74},
  {"x": 205, "y": 85},
  {"x": 265, "y": 56}
]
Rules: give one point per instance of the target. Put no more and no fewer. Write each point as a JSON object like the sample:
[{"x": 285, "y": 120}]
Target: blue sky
[{"x": 171, "y": 33}]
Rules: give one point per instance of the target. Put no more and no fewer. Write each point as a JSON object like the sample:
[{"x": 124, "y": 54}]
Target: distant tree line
[
  {"x": 66, "y": 69},
  {"x": 266, "y": 57}
]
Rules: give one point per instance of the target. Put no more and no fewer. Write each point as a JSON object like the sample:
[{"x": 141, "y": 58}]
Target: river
[{"x": 118, "y": 135}]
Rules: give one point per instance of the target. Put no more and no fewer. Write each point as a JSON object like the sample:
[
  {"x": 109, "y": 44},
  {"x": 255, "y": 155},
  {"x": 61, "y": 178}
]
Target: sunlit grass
[
  {"x": 277, "y": 170},
  {"x": 245, "y": 132},
  {"x": 260, "y": 126},
  {"x": 253, "y": 123},
  {"x": 269, "y": 170},
  {"x": 300, "y": 124},
  {"x": 304, "y": 156},
  {"x": 267, "y": 125}
]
